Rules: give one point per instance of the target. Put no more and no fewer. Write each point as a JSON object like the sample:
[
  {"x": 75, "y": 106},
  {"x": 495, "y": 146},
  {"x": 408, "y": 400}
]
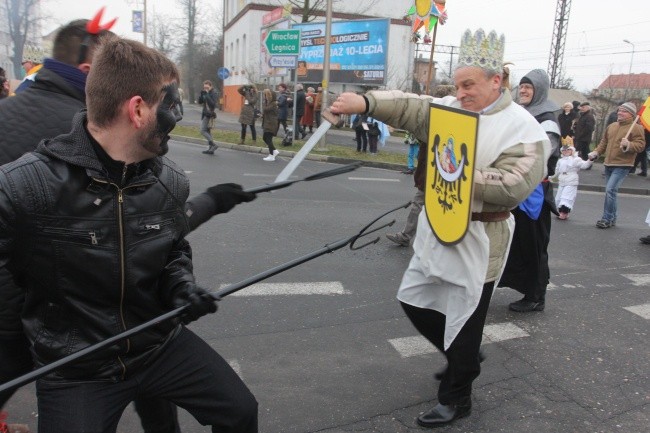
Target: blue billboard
[{"x": 358, "y": 51}]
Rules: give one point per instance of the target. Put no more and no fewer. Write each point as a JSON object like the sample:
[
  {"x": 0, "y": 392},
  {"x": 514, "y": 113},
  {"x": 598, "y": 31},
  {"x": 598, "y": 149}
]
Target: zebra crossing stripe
[
  {"x": 418, "y": 345},
  {"x": 640, "y": 310},
  {"x": 638, "y": 279},
  {"x": 328, "y": 288}
]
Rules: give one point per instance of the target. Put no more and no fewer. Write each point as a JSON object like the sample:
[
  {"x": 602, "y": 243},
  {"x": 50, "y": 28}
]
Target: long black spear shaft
[{"x": 42, "y": 371}]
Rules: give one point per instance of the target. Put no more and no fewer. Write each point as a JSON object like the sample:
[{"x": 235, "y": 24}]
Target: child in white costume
[{"x": 566, "y": 171}]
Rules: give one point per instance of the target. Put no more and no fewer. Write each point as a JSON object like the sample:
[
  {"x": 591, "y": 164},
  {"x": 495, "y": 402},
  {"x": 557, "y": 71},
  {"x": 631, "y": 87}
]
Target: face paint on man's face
[{"x": 167, "y": 114}]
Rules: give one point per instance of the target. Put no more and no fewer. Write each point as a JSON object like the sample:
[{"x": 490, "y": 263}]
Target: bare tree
[
  {"x": 311, "y": 9},
  {"x": 21, "y": 19},
  {"x": 199, "y": 42},
  {"x": 161, "y": 36}
]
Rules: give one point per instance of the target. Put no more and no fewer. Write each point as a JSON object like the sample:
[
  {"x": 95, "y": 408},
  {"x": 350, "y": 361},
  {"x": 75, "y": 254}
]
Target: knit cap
[{"x": 629, "y": 107}]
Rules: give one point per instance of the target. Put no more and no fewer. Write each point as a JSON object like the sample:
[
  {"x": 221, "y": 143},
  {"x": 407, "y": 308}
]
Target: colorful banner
[
  {"x": 358, "y": 52},
  {"x": 450, "y": 171}
]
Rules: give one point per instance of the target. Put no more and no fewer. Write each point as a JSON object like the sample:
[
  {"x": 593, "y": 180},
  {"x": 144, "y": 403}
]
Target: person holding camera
[
  {"x": 208, "y": 98},
  {"x": 247, "y": 114}
]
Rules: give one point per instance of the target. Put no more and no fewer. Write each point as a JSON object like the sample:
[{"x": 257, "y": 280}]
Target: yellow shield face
[{"x": 451, "y": 153}]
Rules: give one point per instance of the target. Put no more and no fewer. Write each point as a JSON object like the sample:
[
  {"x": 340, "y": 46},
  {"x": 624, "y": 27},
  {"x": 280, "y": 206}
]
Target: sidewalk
[{"x": 593, "y": 180}]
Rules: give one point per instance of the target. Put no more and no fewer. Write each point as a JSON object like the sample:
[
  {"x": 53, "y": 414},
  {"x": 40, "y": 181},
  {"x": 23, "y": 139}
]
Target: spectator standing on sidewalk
[
  {"x": 412, "y": 156},
  {"x": 284, "y": 101},
  {"x": 642, "y": 157},
  {"x": 300, "y": 111},
  {"x": 620, "y": 144},
  {"x": 208, "y": 98},
  {"x": 585, "y": 125},
  {"x": 318, "y": 105},
  {"x": 566, "y": 120},
  {"x": 247, "y": 113}
]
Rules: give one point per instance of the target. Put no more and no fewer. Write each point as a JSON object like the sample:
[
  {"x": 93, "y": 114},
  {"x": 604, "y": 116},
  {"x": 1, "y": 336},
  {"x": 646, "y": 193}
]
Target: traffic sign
[
  {"x": 223, "y": 73},
  {"x": 283, "y": 42},
  {"x": 283, "y": 61}
]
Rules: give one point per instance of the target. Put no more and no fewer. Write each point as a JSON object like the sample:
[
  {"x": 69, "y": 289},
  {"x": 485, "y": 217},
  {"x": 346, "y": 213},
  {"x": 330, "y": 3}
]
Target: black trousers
[
  {"x": 362, "y": 139},
  {"x": 243, "y": 131},
  {"x": 463, "y": 363},
  {"x": 268, "y": 139},
  {"x": 156, "y": 415},
  {"x": 527, "y": 269},
  {"x": 188, "y": 373}
]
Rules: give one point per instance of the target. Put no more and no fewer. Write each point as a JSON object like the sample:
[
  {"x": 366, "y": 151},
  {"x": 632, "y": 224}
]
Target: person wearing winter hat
[
  {"x": 621, "y": 142},
  {"x": 566, "y": 172},
  {"x": 584, "y": 128}
]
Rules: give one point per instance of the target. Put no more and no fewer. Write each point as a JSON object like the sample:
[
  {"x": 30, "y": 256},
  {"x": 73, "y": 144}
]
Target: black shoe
[
  {"x": 444, "y": 414},
  {"x": 643, "y": 173},
  {"x": 211, "y": 148},
  {"x": 645, "y": 240},
  {"x": 304, "y": 134},
  {"x": 408, "y": 171},
  {"x": 526, "y": 306}
]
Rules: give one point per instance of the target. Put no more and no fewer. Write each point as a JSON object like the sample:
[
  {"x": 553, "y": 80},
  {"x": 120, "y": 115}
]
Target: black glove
[
  {"x": 198, "y": 300},
  {"x": 227, "y": 195},
  {"x": 204, "y": 92}
]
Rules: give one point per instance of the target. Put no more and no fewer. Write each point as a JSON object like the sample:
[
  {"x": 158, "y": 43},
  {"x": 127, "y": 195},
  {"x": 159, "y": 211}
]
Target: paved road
[{"x": 325, "y": 347}]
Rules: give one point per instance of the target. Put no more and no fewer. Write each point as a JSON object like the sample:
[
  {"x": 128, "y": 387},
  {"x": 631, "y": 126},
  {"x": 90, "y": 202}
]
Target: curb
[{"x": 374, "y": 164}]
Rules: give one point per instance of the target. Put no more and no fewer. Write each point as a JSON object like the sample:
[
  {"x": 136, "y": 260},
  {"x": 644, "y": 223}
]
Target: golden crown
[
  {"x": 32, "y": 53},
  {"x": 482, "y": 51}
]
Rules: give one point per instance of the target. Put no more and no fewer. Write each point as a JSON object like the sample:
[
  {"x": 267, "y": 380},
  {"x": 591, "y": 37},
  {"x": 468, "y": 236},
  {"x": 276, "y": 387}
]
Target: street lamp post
[{"x": 629, "y": 75}]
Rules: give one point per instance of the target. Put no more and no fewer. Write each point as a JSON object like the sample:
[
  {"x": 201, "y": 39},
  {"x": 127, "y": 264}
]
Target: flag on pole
[{"x": 644, "y": 114}]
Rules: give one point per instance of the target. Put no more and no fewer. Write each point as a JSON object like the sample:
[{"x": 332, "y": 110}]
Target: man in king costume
[{"x": 446, "y": 289}]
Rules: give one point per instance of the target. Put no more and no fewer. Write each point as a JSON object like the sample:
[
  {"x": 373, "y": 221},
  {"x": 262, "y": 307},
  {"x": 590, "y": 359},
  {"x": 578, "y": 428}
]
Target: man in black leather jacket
[{"x": 51, "y": 224}]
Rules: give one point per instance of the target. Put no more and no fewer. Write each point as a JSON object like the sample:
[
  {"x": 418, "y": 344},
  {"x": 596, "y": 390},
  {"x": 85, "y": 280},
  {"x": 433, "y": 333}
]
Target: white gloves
[{"x": 592, "y": 155}]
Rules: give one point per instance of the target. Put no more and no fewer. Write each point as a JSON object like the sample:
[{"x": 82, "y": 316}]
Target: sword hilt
[{"x": 332, "y": 118}]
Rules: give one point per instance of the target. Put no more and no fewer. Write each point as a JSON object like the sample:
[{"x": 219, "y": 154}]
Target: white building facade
[{"x": 244, "y": 21}]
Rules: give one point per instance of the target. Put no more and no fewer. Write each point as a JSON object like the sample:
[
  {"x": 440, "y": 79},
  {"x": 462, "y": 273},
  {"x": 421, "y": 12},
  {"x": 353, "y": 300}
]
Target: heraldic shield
[{"x": 450, "y": 173}]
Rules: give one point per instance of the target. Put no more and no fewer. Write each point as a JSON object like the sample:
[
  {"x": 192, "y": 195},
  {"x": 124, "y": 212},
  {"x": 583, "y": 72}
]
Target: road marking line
[
  {"x": 374, "y": 179},
  {"x": 638, "y": 279},
  {"x": 418, "y": 345},
  {"x": 307, "y": 288},
  {"x": 640, "y": 310}
]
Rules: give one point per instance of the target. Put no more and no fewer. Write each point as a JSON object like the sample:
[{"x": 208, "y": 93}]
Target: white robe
[{"x": 450, "y": 279}]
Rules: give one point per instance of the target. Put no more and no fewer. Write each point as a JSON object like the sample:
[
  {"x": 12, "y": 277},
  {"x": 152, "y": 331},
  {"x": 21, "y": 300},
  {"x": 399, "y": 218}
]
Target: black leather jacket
[{"x": 93, "y": 259}]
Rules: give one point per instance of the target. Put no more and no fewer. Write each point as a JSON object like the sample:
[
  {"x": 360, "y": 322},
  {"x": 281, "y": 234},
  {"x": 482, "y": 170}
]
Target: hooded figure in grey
[{"x": 544, "y": 111}]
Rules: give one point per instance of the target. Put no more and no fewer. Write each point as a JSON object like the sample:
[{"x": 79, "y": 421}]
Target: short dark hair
[
  {"x": 69, "y": 40},
  {"x": 123, "y": 68}
]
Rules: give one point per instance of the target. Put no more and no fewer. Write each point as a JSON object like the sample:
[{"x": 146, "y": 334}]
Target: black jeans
[
  {"x": 156, "y": 415},
  {"x": 463, "y": 355},
  {"x": 243, "y": 131},
  {"x": 268, "y": 139},
  {"x": 188, "y": 373},
  {"x": 362, "y": 139}
]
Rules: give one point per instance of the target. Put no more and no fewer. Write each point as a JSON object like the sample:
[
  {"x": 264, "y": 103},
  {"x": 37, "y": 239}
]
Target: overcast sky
[{"x": 594, "y": 44}]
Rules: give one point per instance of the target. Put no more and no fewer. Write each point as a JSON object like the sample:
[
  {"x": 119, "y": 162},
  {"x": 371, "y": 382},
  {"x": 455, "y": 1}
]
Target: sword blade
[{"x": 302, "y": 153}]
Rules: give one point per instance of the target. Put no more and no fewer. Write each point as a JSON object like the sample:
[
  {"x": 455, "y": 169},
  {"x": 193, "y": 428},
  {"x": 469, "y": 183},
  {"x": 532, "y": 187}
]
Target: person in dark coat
[
  {"x": 208, "y": 98},
  {"x": 566, "y": 120},
  {"x": 77, "y": 168},
  {"x": 585, "y": 125},
  {"x": 284, "y": 101},
  {"x": 247, "y": 113},
  {"x": 57, "y": 94},
  {"x": 300, "y": 111},
  {"x": 527, "y": 269},
  {"x": 270, "y": 122}
]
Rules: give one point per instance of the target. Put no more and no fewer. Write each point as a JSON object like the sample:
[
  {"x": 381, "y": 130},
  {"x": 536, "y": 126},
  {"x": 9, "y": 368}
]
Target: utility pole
[
  {"x": 556, "y": 57},
  {"x": 322, "y": 144}
]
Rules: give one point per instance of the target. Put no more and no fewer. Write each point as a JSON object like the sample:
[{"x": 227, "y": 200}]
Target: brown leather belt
[{"x": 488, "y": 217}]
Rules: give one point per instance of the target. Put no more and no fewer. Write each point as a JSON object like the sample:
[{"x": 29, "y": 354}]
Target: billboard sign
[{"x": 358, "y": 51}]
